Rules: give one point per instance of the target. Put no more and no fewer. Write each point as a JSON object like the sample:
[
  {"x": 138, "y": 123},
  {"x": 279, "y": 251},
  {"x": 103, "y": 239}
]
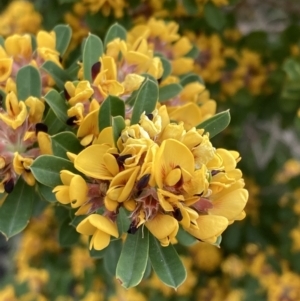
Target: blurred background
[{"x": 249, "y": 60}]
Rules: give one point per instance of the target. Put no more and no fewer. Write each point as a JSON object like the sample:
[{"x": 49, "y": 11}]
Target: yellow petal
[
  {"x": 173, "y": 177},
  {"x": 231, "y": 204},
  {"x": 85, "y": 227},
  {"x": 44, "y": 143},
  {"x": 104, "y": 224},
  {"x": 170, "y": 155},
  {"x": 5, "y": 68},
  {"x": 100, "y": 240},
  {"x": 182, "y": 65},
  {"x": 162, "y": 227},
  {"x": 91, "y": 162},
  {"x": 78, "y": 191},
  {"x": 62, "y": 194},
  {"x": 209, "y": 226}
]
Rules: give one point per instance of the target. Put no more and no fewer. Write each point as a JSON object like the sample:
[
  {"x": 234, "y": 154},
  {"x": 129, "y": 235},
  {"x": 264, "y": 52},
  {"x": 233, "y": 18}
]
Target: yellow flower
[
  {"x": 6, "y": 64},
  {"x": 19, "y": 47},
  {"x": 97, "y": 161},
  {"x": 73, "y": 191},
  {"x": 106, "y": 6},
  {"x": 79, "y": 93},
  {"x": 22, "y": 167},
  {"x": 163, "y": 227},
  {"x": 101, "y": 228},
  {"x": 36, "y": 109},
  {"x": 208, "y": 227},
  {"x": 16, "y": 111}
]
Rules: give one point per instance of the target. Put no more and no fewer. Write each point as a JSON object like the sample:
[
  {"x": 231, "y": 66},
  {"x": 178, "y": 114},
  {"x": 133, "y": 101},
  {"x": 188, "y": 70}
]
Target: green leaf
[
  {"x": 146, "y": 100},
  {"x": 215, "y": 124},
  {"x": 46, "y": 193},
  {"x": 54, "y": 125},
  {"x": 193, "y": 53},
  {"x": 167, "y": 68},
  {"x": 92, "y": 51},
  {"x": 59, "y": 75},
  {"x": 57, "y": 104},
  {"x": 28, "y": 82},
  {"x": 63, "y": 37},
  {"x": 123, "y": 221},
  {"x": 169, "y": 91},
  {"x": 115, "y": 31},
  {"x": 16, "y": 210},
  {"x": 67, "y": 235},
  {"x": 118, "y": 124},
  {"x": 2, "y": 41},
  {"x": 97, "y": 254},
  {"x": 133, "y": 260},
  {"x": 190, "y": 78},
  {"x": 190, "y": 6},
  {"x": 46, "y": 169},
  {"x": 292, "y": 68},
  {"x": 214, "y": 16},
  {"x": 185, "y": 238},
  {"x": 166, "y": 263},
  {"x": 112, "y": 106},
  {"x": 65, "y": 142},
  {"x": 112, "y": 255}
]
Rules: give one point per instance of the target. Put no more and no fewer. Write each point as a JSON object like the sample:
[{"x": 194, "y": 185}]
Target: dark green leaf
[
  {"x": 123, "y": 221},
  {"x": 146, "y": 100},
  {"x": 118, "y": 124},
  {"x": 65, "y": 142},
  {"x": 166, "y": 263},
  {"x": 54, "y": 125},
  {"x": 59, "y": 75},
  {"x": 67, "y": 235},
  {"x": 46, "y": 193},
  {"x": 57, "y": 104},
  {"x": 167, "y": 67},
  {"x": 190, "y": 78},
  {"x": 169, "y": 91},
  {"x": 214, "y": 16},
  {"x": 193, "y": 53},
  {"x": 133, "y": 260},
  {"x": 215, "y": 124},
  {"x": 112, "y": 255},
  {"x": 185, "y": 238},
  {"x": 190, "y": 6},
  {"x": 28, "y": 82},
  {"x": 46, "y": 169},
  {"x": 63, "y": 37},
  {"x": 115, "y": 31},
  {"x": 92, "y": 51},
  {"x": 17, "y": 208},
  {"x": 97, "y": 254},
  {"x": 112, "y": 106}
]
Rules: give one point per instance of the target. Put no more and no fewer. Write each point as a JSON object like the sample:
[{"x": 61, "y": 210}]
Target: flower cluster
[{"x": 164, "y": 175}]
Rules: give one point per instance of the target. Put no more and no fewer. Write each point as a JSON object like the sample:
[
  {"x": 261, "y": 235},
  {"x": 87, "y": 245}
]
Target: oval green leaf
[
  {"x": 53, "y": 123},
  {"x": 214, "y": 16},
  {"x": 67, "y": 234},
  {"x": 166, "y": 263},
  {"x": 92, "y": 51},
  {"x": 112, "y": 106},
  {"x": 115, "y": 31},
  {"x": 169, "y": 91},
  {"x": 63, "y": 37},
  {"x": 65, "y": 142},
  {"x": 118, "y": 125},
  {"x": 28, "y": 82},
  {"x": 133, "y": 260},
  {"x": 185, "y": 238},
  {"x": 190, "y": 78},
  {"x": 215, "y": 124},
  {"x": 46, "y": 169},
  {"x": 146, "y": 100},
  {"x": 123, "y": 221},
  {"x": 46, "y": 193},
  {"x": 59, "y": 75},
  {"x": 167, "y": 67},
  {"x": 112, "y": 255},
  {"x": 17, "y": 208},
  {"x": 57, "y": 104}
]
